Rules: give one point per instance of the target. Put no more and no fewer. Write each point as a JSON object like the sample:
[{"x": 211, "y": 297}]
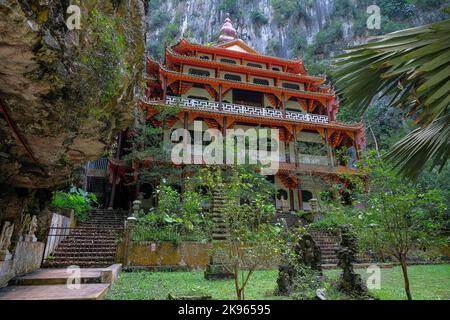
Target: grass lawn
[{"x": 427, "y": 282}]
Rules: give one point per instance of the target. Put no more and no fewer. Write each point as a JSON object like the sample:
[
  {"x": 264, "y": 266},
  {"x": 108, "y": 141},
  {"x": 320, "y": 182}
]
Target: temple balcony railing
[{"x": 230, "y": 108}]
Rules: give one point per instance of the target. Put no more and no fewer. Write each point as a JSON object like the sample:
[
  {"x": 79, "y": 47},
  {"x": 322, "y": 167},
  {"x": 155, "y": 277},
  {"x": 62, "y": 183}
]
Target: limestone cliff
[
  {"x": 64, "y": 93},
  {"x": 311, "y": 29}
]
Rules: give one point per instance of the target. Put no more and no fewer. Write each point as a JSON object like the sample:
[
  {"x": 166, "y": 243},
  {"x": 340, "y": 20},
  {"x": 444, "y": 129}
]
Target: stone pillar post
[{"x": 130, "y": 224}]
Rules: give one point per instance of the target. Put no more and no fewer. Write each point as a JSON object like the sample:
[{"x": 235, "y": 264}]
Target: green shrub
[
  {"x": 77, "y": 199},
  {"x": 231, "y": 7},
  {"x": 103, "y": 66},
  {"x": 172, "y": 233},
  {"x": 258, "y": 17},
  {"x": 177, "y": 218},
  {"x": 158, "y": 19},
  {"x": 334, "y": 216},
  {"x": 283, "y": 9}
]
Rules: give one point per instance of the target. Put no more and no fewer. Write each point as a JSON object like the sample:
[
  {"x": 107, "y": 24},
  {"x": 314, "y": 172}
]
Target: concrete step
[
  {"x": 86, "y": 254},
  {"x": 91, "y": 236},
  {"x": 81, "y": 264},
  {"x": 55, "y": 292},
  {"x": 54, "y": 277},
  {"x": 90, "y": 245}
]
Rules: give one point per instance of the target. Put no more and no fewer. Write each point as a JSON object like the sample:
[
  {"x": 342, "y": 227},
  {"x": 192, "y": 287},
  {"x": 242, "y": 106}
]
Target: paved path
[
  {"x": 56, "y": 276},
  {"x": 55, "y": 292},
  {"x": 51, "y": 284}
]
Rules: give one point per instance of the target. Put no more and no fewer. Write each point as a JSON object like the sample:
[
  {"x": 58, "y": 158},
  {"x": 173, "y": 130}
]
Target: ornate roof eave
[
  {"x": 152, "y": 66},
  {"x": 176, "y": 76},
  {"x": 295, "y": 64},
  {"x": 170, "y": 54}
]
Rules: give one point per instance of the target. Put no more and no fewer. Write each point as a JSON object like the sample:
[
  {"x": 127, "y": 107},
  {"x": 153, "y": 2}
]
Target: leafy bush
[
  {"x": 177, "y": 218},
  {"x": 283, "y": 9},
  {"x": 306, "y": 283},
  {"x": 78, "y": 200},
  {"x": 258, "y": 17},
  {"x": 334, "y": 217},
  {"x": 150, "y": 232},
  {"x": 158, "y": 19}
]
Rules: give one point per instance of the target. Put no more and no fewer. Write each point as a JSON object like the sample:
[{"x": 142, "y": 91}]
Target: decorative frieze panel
[{"x": 244, "y": 110}]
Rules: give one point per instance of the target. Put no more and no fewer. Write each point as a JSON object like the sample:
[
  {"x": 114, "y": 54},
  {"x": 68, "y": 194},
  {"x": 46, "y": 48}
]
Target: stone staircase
[
  {"x": 216, "y": 270},
  {"x": 92, "y": 243},
  {"x": 328, "y": 244},
  {"x": 220, "y": 231}
]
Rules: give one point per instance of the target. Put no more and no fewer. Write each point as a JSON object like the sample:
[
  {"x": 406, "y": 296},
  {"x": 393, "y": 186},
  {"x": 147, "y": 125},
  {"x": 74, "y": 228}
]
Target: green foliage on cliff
[
  {"x": 102, "y": 63},
  {"x": 258, "y": 17}
]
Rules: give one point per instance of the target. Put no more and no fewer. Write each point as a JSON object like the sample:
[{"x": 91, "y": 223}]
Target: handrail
[{"x": 232, "y": 108}]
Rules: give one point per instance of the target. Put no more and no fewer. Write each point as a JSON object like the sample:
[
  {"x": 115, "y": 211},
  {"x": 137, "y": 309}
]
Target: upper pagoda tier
[
  {"x": 230, "y": 79},
  {"x": 238, "y": 49}
]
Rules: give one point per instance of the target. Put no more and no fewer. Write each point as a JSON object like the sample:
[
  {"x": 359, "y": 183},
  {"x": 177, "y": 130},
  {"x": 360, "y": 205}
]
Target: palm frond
[
  {"x": 431, "y": 142},
  {"x": 412, "y": 68},
  {"x": 416, "y": 58}
]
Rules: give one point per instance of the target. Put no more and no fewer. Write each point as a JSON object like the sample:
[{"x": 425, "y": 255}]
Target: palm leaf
[
  {"x": 411, "y": 154},
  {"x": 412, "y": 67},
  {"x": 418, "y": 54}
]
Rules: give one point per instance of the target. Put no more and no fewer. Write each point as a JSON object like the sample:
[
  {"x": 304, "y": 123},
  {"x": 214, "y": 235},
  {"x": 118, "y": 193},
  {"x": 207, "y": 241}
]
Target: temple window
[
  {"x": 199, "y": 72},
  {"x": 292, "y": 86},
  {"x": 232, "y": 77},
  {"x": 276, "y": 69},
  {"x": 204, "y": 57},
  {"x": 248, "y": 98},
  {"x": 312, "y": 148},
  {"x": 254, "y": 65},
  {"x": 224, "y": 60},
  {"x": 263, "y": 82}
]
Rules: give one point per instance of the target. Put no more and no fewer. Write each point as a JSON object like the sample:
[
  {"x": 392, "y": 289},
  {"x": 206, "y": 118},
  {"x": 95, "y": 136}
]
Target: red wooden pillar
[
  {"x": 300, "y": 200},
  {"x": 220, "y": 96},
  {"x": 291, "y": 198},
  {"x": 327, "y": 105},
  {"x": 164, "y": 89}
]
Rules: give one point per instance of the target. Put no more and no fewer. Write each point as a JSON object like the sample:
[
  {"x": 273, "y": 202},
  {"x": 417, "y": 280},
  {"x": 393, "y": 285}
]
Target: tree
[
  {"x": 147, "y": 146},
  {"x": 412, "y": 67},
  {"x": 248, "y": 211},
  {"x": 398, "y": 218}
]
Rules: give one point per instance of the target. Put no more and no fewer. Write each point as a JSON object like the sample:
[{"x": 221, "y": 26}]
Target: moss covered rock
[{"x": 65, "y": 93}]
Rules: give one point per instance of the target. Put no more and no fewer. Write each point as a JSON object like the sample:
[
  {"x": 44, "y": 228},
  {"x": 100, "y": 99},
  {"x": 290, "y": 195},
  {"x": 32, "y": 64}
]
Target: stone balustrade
[{"x": 251, "y": 111}]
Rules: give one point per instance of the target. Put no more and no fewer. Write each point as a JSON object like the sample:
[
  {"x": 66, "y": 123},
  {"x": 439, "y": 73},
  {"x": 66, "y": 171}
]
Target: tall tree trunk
[
  {"x": 236, "y": 284},
  {"x": 405, "y": 276}
]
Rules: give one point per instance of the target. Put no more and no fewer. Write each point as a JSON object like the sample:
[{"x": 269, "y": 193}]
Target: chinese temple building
[{"x": 230, "y": 85}]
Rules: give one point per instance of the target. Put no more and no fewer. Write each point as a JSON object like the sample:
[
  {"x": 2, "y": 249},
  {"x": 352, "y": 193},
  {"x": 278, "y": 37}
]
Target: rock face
[
  {"x": 286, "y": 28},
  {"x": 64, "y": 93}
]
